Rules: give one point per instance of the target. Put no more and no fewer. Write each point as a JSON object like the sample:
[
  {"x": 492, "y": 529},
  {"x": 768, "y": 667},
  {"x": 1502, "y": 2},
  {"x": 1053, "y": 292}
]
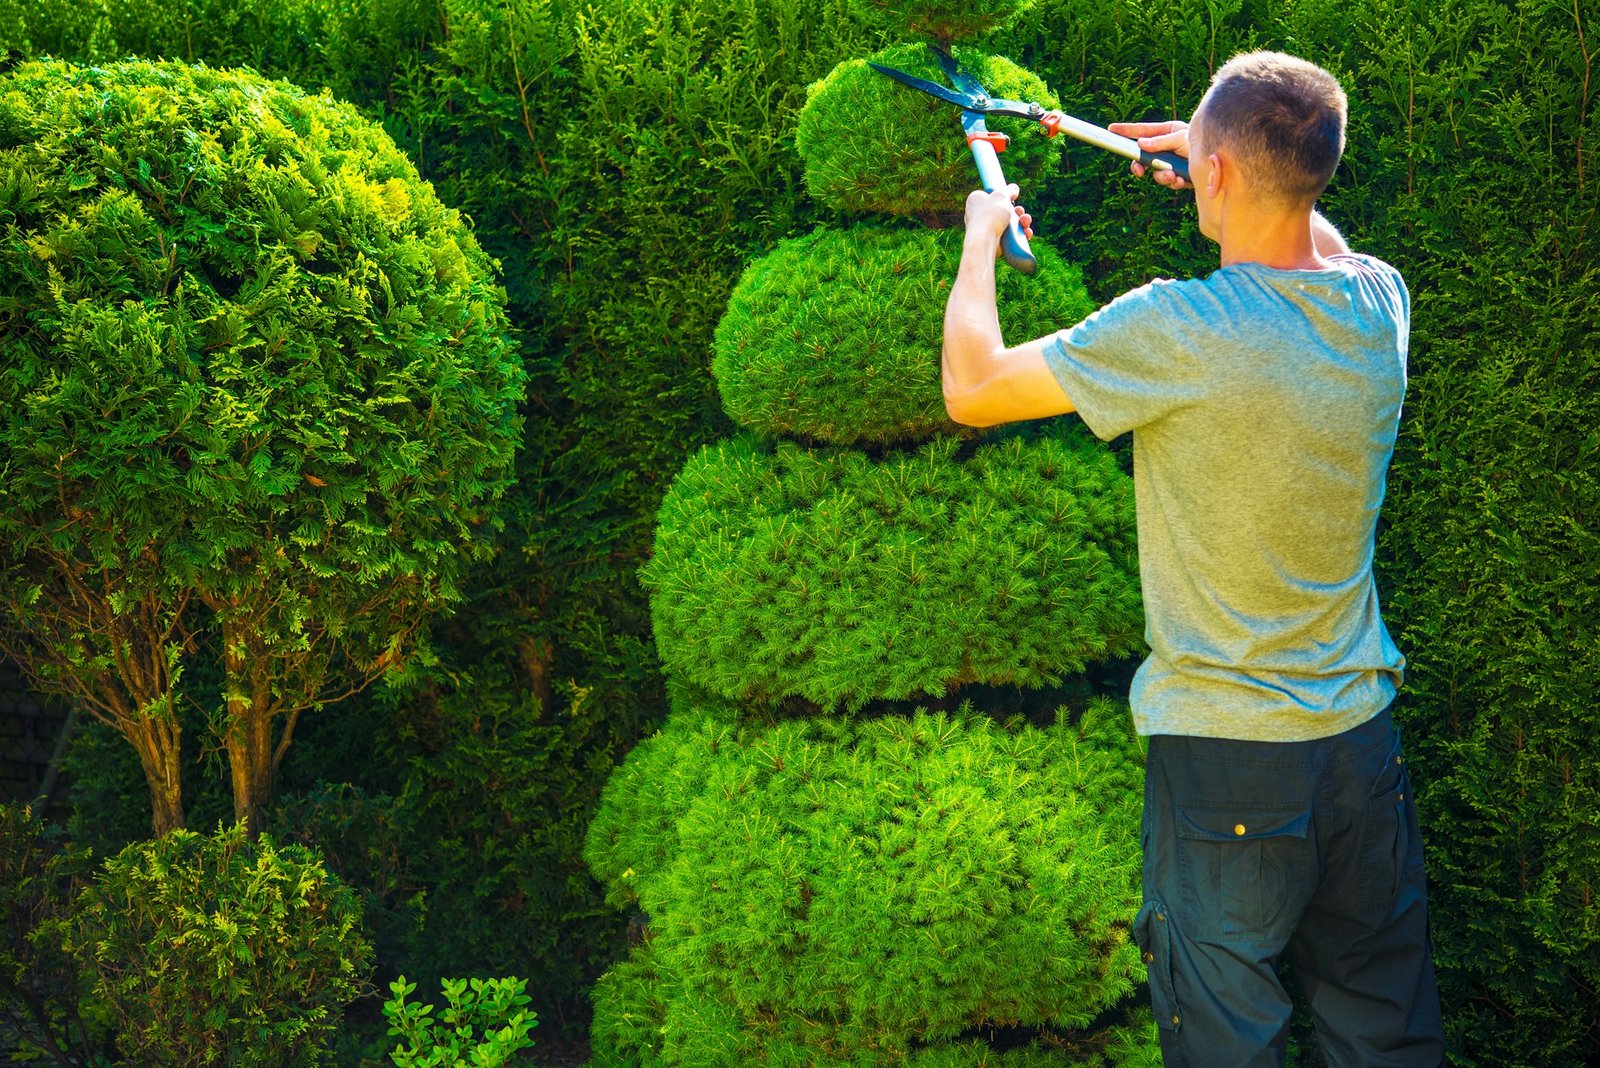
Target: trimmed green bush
[
  {"x": 255, "y": 387},
  {"x": 945, "y": 20},
  {"x": 837, "y": 335},
  {"x": 207, "y": 948},
  {"x": 824, "y": 573},
  {"x": 871, "y": 144},
  {"x": 858, "y": 887}
]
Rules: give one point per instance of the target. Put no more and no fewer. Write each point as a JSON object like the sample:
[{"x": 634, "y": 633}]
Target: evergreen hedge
[{"x": 1470, "y": 166}]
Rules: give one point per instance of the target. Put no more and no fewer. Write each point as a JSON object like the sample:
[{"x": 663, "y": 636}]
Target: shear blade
[{"x": 931, "y": 88}]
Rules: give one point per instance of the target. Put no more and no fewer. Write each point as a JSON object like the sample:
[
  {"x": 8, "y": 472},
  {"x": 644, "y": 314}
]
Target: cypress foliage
[{"x": 871, "y": 888}]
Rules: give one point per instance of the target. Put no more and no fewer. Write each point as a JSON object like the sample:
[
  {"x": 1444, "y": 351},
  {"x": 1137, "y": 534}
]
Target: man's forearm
[{"x": 971, "y": 321}]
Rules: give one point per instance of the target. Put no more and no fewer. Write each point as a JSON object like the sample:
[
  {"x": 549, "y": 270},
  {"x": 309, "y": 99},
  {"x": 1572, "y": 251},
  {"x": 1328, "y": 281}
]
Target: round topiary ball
[
  {"x": 871, "y": 144},
  {"x": 836, "y": 335},
  {"x": 829, "y": 575},
  {"x": 245, "y": 353},
  {"x": 944, "y": 20}
]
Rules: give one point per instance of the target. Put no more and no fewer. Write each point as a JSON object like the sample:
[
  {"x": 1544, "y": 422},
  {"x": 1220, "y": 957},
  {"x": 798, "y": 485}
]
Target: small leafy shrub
[
  {"x": 827, "y": 574},
  {"x": 216, "y": 949},
  {"x": 837, "y": 335},
  {"x": 484, "y": 1026},
  {"x": 871, "y": 144}
]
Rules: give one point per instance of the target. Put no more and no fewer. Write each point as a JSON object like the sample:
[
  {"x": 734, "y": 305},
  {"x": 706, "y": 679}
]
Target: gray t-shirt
[{"x": 1264, "y": 405}]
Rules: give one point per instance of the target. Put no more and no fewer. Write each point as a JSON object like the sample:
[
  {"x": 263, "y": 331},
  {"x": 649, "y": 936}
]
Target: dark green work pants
[{"x": 1254, "y": 850}]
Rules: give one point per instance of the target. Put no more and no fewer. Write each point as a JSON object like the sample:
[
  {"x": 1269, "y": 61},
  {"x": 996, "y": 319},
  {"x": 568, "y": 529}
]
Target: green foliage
[
  {"x": 207, "y": 947},
  {"x": 484, "y": 1024},
  {"x": 871, "y": 144},
  {"x": 853, "y": 888},
  {"x": 248, "y": 357},
  {"x": 945, "y": 20},
  {"x": 821, "y": 572},
  {"x": 41, "y": 986},
  {"x": 837, "y": 335},
  {"x": 242, "y": 309}
]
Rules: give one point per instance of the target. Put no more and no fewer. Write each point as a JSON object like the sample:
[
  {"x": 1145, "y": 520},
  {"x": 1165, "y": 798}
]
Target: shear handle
[{"x": 1013, "y": 243}]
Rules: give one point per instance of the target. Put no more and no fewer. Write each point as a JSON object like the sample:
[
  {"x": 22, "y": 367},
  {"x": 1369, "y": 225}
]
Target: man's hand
[
  {"x": 988, "y": 214},
  {"x": 1157, "y": 137}
]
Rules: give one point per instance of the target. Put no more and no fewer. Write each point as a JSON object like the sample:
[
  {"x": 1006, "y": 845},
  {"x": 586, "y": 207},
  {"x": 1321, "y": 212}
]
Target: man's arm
[{"x": 986, "y": 383}]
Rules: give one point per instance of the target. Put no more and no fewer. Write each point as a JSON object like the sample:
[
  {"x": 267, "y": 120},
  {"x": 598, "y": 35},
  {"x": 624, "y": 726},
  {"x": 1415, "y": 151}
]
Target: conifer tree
[
  {"x": 256, "y": 391},
  {"x": 871, "y": 831}
]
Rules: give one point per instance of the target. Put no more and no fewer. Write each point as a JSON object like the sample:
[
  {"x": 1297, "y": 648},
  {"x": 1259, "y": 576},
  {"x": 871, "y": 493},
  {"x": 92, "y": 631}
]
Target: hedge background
[{"x": 624, "y": 160}]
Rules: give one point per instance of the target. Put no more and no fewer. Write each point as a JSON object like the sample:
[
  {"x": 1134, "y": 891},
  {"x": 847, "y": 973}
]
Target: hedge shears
[{"x": 976, "y": 104}]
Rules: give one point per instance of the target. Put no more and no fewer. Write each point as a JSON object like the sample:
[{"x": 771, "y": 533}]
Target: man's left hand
[{"x": 990, "y": 213}]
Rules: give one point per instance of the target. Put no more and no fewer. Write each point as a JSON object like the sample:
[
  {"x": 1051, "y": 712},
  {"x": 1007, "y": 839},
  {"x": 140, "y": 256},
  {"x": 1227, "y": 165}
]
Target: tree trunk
[
  {"x": 249, "y": 738},
  {"x": 536, "y": 654},
  {"x": 159, "y": 756}
]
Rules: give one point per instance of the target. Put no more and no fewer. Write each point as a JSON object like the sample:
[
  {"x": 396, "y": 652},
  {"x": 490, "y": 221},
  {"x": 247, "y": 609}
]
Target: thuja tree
[
  {"x": 849, "y": 843},
  {"x": 255, "y": 391}
]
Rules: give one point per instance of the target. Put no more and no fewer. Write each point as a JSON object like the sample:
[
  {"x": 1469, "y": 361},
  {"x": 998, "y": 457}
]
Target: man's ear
[{"x": 1217, "y": 178}]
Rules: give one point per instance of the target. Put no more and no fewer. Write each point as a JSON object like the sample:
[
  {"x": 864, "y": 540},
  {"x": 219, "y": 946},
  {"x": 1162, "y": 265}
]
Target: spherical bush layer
[
  {"x": 781, "y": 570},
  {"x": 1000, "y": 864},
  {"x": 871, "y": 144},
  {"x": 836, "y": 335}
]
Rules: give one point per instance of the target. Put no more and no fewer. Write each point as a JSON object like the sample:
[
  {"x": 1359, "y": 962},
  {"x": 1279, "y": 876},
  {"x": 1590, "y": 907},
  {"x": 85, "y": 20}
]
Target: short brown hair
[{"x": 1282, "y": 119}]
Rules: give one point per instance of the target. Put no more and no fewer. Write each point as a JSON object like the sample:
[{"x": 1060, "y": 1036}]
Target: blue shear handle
[{"x": 1013, "y": 243}]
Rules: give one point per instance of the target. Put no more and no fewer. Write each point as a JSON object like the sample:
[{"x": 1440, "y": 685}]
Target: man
[{"x": 1264, "y": 402}]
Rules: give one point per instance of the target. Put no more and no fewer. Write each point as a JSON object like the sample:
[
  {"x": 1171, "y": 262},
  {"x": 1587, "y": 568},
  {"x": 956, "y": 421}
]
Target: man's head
[{"x": 1280, "y": 122}]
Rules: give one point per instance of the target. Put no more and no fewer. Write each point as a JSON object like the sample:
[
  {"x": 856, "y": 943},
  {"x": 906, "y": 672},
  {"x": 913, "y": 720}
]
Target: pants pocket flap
[{"x": 1241, "y": 823}]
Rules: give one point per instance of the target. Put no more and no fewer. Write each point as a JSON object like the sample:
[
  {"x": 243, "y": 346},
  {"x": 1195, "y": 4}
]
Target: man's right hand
[{"x": 1157, "y": 137}]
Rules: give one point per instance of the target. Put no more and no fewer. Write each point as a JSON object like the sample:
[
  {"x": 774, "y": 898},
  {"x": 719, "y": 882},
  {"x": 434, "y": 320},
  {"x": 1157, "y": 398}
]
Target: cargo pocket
[
  {"x": 1247, "y": 869},
  {"x": 1152, "y": 933},
  {"x": 1391, "y": 843}
]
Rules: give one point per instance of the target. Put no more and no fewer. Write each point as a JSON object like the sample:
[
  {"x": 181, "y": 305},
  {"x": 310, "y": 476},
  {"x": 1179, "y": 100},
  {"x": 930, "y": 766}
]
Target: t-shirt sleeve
[{"x": 1133, "y": 361}]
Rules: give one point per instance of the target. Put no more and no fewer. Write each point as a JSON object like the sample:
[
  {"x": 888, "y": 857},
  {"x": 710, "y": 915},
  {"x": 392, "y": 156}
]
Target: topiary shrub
[
  {"x": 871, "y": 144},
  {"x": 255, "y": 387},
  {"x": 828, "y": 336},
  {"x": 889, "y": 886},
  {"x": 216, "y": 948},
  {"x": 824, "y": 573}
]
